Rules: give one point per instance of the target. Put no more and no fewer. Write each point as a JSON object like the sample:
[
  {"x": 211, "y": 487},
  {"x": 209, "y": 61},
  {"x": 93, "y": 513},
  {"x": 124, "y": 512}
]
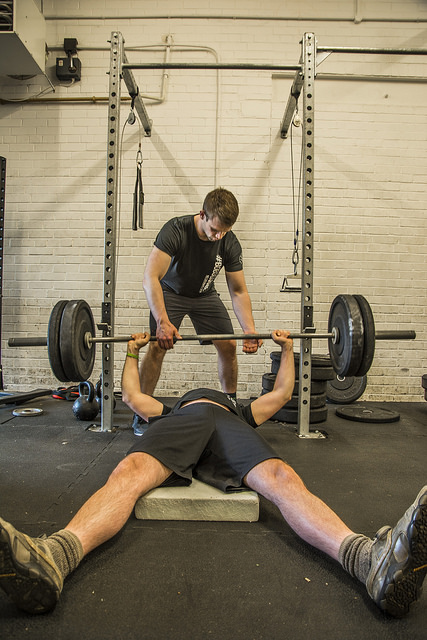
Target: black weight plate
[
  {"x": 268, "y": 380},
  {"x": 77, "y": 358},
  {"x": 317, "y": 386},
  {"x": 368, "y": 414},
  {"x": 318, "y": 372},
  {"x": 291, "y": 415},
  {"x": 53, "y": 346},
  {"x": 347, "y": 353},
  {"x": 345, "y": 390},
  {"x": 368, "y": 335},
  {"x": 317, "y": 359},
  {"x": 317, "y": 400},
  {"x": 424, "y": 381}
]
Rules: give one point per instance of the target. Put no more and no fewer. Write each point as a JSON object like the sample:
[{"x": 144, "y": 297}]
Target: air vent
[
  {"x": 22, "y": 38},
  {"x": 6, "y": 15}
]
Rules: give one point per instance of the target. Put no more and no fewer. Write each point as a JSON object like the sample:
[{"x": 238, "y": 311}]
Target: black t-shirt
[
  {"x": 243, "y": 411},
  {"x": 195, "y": 263}
]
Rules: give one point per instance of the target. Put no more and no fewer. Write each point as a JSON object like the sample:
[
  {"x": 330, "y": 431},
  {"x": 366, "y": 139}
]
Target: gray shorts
[
  {"x": 207, "y": 313},
  {"x": 206, "y": 442}
]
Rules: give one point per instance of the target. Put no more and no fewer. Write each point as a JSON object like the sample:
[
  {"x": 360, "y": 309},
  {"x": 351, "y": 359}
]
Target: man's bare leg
[
  {"x": 151, "y": 367},
  {"x": 306, "y": 514},
  {"x": 107, "y": 511},
  {"x": 34, "y": 569},
  {"x": 227, "y": 364}
]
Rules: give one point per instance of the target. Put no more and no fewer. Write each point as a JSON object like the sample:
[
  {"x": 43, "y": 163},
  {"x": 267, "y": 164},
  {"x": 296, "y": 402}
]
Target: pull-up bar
[{"x": 195, "y": 65}]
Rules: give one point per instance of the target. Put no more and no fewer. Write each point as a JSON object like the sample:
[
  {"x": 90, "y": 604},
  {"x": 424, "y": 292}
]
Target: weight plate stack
[
  {"x": 345, "y": 390},
  {"x": 321, "y": 373}
]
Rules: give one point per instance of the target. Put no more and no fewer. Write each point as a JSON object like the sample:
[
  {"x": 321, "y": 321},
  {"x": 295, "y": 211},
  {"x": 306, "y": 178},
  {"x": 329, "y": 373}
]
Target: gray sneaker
[
  {"x": 139, "y": 425},
  {"x": 399, "y": 560},
  {"x": 28, "y": 573}
]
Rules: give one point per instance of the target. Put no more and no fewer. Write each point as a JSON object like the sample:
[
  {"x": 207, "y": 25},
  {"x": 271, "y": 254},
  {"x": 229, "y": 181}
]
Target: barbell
[{"x": 351, "y": 338}]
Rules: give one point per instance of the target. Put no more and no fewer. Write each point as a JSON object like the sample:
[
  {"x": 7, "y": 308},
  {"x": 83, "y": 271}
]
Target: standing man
[{"x": 188, "y": 254}]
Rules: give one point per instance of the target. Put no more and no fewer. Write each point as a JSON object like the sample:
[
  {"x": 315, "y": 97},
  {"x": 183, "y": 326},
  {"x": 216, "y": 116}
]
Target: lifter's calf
[
  {"x": 227, "y": 364},
  {"x": 151, "y": 367},
  {"x": 308, "y": 516}
]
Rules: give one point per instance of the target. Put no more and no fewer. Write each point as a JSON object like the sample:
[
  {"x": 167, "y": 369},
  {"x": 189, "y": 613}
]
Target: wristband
[{"x": 131, "y": 355}]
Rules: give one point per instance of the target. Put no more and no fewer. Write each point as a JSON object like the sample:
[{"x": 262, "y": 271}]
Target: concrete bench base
[{"x": 199, "y": 501}]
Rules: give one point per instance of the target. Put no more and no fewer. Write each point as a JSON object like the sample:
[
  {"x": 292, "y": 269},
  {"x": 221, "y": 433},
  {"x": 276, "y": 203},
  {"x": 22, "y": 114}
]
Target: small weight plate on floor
[
  {"x": 368, "y": 414},
  {"x": 424, "y": 381},
  {"x": 347, "y": 352},
  {"x": 345, "y": 390},
  {"x": 27, "y": 413},
  {"x": 368, "y": 335},
  {"x": 53, "y": 346},
  {"x": 291, "y": 415},
  {"x": 77, "y": 358}
]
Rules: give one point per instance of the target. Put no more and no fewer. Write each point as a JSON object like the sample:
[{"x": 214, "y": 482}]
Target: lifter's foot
[
  {"x": 28, "y": 573},
  {"x": 139, "y": 425},
  {"x": 399, "y": 560}
]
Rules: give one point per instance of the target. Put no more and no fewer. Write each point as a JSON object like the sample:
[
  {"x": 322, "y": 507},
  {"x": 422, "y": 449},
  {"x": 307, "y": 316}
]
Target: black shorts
[
  {"x": 206, "y": 442},
  {"x": 207, "y": 313}
]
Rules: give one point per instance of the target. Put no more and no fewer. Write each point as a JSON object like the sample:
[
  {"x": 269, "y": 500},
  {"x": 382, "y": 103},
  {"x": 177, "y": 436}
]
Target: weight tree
[{"x": 305, "y": 73}]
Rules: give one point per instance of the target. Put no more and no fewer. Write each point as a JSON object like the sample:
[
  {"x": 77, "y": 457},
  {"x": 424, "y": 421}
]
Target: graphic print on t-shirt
[{"x": 209, "y": 279}]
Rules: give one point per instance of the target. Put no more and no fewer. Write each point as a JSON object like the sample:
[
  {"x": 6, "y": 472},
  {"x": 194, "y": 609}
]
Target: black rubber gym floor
[{"x": 219, "y": 580}]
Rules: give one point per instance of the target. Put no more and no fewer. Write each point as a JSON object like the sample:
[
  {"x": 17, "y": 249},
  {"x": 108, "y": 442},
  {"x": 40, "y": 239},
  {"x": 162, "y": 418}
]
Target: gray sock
[
  {"x": 66, "y": 550},
  {"x": 355, "y": 555}
]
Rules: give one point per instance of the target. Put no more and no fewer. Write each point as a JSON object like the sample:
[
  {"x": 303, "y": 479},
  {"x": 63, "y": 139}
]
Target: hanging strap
[{"x": 138, "y": 194}]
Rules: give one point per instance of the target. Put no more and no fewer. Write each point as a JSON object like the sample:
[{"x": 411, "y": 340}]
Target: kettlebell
[{"x": 86, "y": 406}]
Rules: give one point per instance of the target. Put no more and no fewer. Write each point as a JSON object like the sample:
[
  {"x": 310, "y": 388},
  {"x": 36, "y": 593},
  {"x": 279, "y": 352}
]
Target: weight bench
[{"x": 198, "y": 501}]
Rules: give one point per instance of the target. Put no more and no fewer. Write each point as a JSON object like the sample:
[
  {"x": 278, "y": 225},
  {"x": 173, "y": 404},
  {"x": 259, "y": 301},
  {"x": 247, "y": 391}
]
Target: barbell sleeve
[
  {"x": 27, "y": 342},
  {"x": 384, "y": 334}
]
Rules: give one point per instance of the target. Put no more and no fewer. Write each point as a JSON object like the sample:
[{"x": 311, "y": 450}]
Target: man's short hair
[{"x": 222, "y": 204}]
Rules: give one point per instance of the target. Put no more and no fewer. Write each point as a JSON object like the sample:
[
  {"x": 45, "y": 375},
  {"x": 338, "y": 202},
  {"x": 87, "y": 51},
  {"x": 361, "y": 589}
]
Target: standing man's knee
[{"x": 226, "y": 348}]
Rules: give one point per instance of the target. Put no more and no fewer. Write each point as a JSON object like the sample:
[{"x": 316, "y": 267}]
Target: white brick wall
[{"x": 370, "y": 168}]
